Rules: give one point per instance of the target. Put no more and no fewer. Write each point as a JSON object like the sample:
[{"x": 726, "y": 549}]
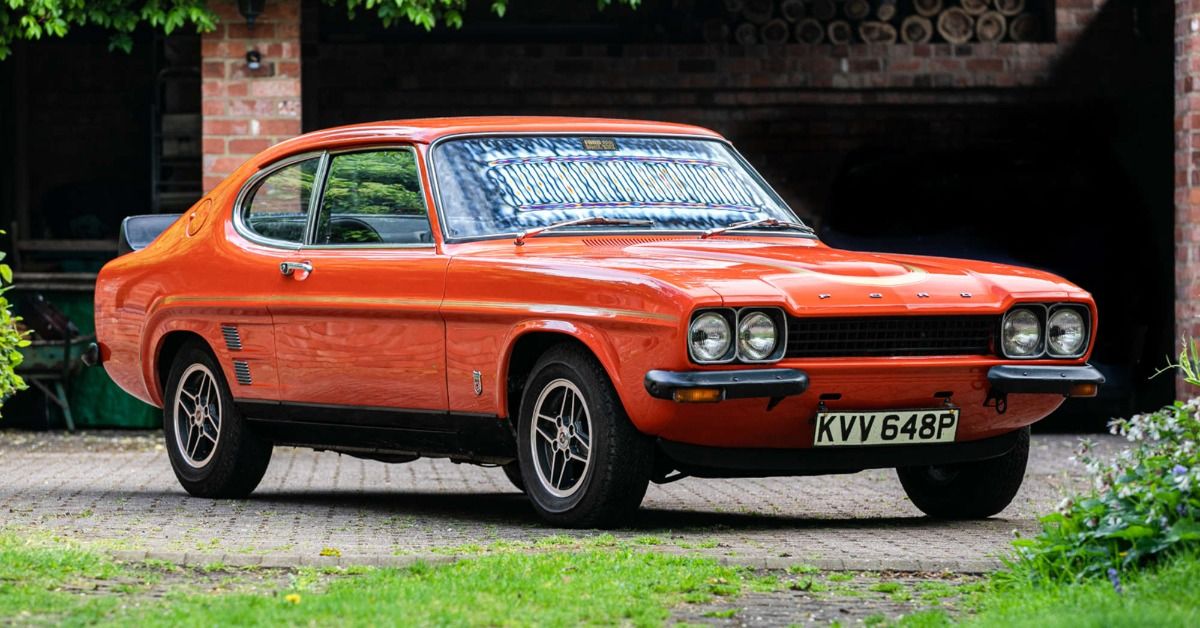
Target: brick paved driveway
[{"x": 120, "y": 494}]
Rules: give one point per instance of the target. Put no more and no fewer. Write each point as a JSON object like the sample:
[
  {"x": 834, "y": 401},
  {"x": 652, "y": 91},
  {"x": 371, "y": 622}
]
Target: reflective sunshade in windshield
[{"x": 502, "y": 185}]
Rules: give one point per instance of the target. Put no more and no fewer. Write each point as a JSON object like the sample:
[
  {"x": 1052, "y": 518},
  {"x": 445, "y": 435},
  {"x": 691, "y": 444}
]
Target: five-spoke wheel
[
  {"x": 582, "y": 461},
  {"x": 197, "y": 415},
  {"x": 561, "y": 438},
  {"x": 212, "y": 451}
]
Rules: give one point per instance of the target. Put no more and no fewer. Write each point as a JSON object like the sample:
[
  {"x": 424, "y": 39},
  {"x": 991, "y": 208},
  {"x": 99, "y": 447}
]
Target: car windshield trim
[{"x": 447, "y": 238}]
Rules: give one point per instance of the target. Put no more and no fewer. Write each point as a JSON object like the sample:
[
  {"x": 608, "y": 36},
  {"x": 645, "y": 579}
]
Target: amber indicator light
[{"x": 698, "y": 395}]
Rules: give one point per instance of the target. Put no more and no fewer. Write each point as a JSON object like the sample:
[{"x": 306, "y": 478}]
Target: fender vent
[
  {"x": 233, "y": 339},
  {"x": 241, "y": 370}
]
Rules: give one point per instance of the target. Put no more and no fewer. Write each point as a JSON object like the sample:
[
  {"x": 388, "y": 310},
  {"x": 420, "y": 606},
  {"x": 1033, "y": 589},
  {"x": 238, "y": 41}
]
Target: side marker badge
[{"x": 477, "y": 379}]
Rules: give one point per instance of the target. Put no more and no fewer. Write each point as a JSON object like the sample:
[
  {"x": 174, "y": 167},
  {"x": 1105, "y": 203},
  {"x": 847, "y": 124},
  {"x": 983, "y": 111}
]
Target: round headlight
[
  {"x": 1065, "y": 332},
  {"x": 710, "y": 337},
  {"x": 1022, "y": 334},
  {"x": 756, "y": 336}
]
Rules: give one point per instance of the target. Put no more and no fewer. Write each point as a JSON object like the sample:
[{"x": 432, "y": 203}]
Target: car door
[{"x": 356, "y": 315}]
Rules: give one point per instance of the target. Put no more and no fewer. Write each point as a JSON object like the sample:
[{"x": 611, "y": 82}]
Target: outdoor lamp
[
  {"x": 253, "y": 60},
  {"x": 251, "y": 9}
]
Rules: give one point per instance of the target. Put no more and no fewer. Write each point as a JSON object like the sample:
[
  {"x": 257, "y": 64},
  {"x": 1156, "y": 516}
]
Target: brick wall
[
  {"x": 244, "y": 110},
  {"x": 1187, "y": 170}
]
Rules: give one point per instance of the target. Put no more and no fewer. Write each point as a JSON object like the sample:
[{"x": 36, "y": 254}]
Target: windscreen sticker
[{"x": 572, "y": 182}]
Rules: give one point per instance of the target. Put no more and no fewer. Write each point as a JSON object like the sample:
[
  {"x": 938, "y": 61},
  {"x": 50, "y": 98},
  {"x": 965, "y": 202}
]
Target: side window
[
  {"x": 373, "y": 197},
  {"x": 278, "y": 206}
]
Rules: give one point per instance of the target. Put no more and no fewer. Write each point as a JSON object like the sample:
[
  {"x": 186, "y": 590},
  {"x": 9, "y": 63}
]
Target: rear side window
[
  {"x": 373, "y": 197},
  {"x": 278, "y": 206}
]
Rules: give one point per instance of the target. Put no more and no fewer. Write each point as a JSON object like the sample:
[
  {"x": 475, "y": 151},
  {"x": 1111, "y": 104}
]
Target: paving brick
[{"x": 394, "y": 515}]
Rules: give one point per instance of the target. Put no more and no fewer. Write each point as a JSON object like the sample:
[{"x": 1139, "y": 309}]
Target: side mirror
[{"x": 137, "y": 232}]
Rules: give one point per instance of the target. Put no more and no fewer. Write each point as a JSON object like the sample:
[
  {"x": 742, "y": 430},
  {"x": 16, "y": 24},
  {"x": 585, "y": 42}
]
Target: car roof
[{"x": 427, "y": 130}]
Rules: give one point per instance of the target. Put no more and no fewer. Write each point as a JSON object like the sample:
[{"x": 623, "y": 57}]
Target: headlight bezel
[
  {"x": 1038, "y": 310},
  {"x": 778, "y": 320},
  {"x": 1085, "y": 316},
  {"x": 1043, "y": 311},
  {"x": 734, "y": 317},
  {"x": 730, "y": 317}
]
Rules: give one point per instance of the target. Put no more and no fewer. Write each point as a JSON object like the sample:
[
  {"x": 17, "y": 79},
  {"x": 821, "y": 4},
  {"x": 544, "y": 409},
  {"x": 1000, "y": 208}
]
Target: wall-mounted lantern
[{"x": 251, "y": 9}]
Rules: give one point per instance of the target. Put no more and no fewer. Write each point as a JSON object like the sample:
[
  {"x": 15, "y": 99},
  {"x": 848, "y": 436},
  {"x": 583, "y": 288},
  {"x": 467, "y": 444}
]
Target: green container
[{"x": 97, "y": 401}]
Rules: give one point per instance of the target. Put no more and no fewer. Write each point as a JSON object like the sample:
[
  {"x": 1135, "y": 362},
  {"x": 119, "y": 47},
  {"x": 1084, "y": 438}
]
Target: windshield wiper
[
  {"x": 579, "y": 222},
  {"x": 773, "y": 223}
]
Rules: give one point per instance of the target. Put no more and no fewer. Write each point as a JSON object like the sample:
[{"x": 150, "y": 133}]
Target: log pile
[{"x": 750, "y": 22}]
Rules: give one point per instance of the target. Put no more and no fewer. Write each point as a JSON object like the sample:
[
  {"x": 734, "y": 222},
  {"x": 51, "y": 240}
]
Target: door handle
[{"x": 288, "y": 268}]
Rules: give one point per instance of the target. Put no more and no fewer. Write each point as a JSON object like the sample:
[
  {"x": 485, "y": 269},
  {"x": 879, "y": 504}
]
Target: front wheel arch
[{"x": 531, "y": 340}]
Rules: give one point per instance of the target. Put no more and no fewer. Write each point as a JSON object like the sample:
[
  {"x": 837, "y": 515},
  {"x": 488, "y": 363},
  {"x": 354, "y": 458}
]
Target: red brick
[
  {"x": 248, "y": 147},
  {"x": 275, "y": 88},
  {"x": 214, "y": 146},
  {"x": 985, "y": 65},
  {"x": 213, "y": 107},
  {"x": 284, "y": 127}
]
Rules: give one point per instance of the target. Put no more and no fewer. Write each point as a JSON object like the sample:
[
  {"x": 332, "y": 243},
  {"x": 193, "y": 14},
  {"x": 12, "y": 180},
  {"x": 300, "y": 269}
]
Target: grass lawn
[
  {"x": 558, "y": 581},
  {"x": 603, "y": 582},
  {"x": 1168, "y": 595}
]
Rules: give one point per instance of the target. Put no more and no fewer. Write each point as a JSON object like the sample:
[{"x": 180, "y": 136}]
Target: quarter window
[
  {"x": 278, "y": 206},
  {"x": 373, "y": 197}
]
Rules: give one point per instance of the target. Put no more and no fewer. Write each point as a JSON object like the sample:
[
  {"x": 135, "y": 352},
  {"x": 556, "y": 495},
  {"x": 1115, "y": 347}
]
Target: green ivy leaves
[
  {"x": 11, "y": 339},
  {"x": 34, "y": 19}
]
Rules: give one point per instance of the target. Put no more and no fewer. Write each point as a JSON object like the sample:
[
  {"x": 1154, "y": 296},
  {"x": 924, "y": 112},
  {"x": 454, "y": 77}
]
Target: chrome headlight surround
[
  {"x": 757, "y": 316},
  {"x": 1065, "y": 310},
  {"x": 706, "y": 322},
  {"x": 1027, "y": 312}
]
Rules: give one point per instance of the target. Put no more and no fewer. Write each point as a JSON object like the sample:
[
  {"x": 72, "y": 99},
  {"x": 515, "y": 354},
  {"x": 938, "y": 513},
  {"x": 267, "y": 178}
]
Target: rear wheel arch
[{"x": 169, "y": 346}]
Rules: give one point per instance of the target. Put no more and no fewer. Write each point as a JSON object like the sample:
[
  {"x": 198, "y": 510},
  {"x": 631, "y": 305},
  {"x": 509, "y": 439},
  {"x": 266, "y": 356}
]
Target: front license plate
[{"x": 886, "y": 427}]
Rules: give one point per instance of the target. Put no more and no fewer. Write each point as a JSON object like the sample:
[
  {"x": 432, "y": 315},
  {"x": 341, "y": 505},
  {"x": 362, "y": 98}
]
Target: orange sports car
[{"x": 590, "y": 304}]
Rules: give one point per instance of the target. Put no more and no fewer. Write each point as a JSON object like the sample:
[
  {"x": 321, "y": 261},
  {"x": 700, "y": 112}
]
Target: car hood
[{"x": 803, "y": 272}]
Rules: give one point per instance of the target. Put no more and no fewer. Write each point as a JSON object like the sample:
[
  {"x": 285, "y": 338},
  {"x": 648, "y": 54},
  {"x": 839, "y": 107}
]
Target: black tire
[
  {"x": 608, "y": 489},
  {"x": 512, "y": 471},
  {"x": 232, "y": 464},
  {"x": 972, "y": 490}
]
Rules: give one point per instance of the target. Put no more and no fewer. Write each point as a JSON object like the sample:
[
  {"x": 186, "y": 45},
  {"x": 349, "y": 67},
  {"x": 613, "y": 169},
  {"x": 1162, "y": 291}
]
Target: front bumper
[{"x": 744, "y": 384}]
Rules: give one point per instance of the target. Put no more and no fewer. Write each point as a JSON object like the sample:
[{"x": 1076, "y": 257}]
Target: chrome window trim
[
  {"x": 1042, "y": 337},
  {"x": 1085, "y": 313},
  {"x": 781, "y": 320},
  {"x": 732, "y": 319},
  {"x": 448, "y": 239},
  {"x": 239, "y": 205},
  {"x": 327, "y": 163}
]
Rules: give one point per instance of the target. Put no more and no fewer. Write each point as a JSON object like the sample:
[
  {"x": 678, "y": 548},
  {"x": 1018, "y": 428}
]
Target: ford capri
[{"x": 590, "y": 304}]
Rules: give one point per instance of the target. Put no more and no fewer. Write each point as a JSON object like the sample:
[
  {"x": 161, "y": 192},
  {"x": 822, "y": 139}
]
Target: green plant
[
  {"x": 1143, "y": 503},
  {"x": 34, "y": 19},
  {"x": 12, "y": 338}
]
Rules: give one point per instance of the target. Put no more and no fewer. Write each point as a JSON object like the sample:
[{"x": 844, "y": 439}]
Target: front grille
[{"x": 883, "y": 336}]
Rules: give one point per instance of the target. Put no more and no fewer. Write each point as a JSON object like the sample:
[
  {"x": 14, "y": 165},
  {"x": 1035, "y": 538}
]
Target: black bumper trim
[
  {"x": 1015, "y": 378},
  {"x": 773, "y": 383},
  {"x": 723, "y": 462}
]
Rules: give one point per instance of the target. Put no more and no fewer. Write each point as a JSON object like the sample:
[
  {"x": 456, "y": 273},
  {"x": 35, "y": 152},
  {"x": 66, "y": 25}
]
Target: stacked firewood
[{"x": 875, "y": 21}]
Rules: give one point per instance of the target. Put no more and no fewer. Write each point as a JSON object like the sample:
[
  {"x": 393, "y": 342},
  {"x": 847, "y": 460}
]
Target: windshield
[{"x": 503, "y": 185}]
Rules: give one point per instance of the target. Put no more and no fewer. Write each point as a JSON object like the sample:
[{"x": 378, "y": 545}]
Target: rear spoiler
[{"x": 137, "y": 232}]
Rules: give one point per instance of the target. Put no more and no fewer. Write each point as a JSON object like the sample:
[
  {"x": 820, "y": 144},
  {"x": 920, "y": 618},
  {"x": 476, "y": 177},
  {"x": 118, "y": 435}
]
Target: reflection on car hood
[{"x": 802, "y": 270}]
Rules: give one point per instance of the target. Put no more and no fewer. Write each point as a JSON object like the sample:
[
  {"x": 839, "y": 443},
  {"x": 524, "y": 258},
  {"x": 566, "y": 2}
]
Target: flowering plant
[{"x": 1143, "y": 503}]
